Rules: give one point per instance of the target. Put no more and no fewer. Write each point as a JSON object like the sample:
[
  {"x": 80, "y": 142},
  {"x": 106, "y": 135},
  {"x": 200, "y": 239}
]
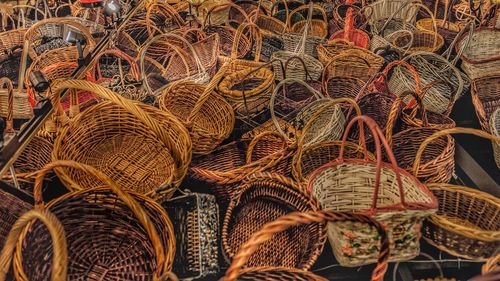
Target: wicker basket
[
  {"x": 491, "y": 265},
  {"x": 466, "y": 224},
  {"x": 480, "y": 56},
  {"x": 162, "y": 18},
  {"x": 271, "y": 29},
  {"x": 7, "y": 18},
  {"x": 446, "y": 28},
  {"x": 13, "y": 105},
  {"x": 273, "y": 230},
  {"x": 399, "y": 10},
  {"x": 110, "y": 223},
  {"x": 495, "y": 131},
  {"x": 357, "y": 36},
  {"x": 118, "y": 137},
  {"x": 319, "y": 27},
  {"x": 347, "y": 185},
  {"x": 486, "y": 98},
  {"x": 11, "y": 46},
  {"x": 59, "y": 244},
  {"x": 208, "y": 117},
  {"x": 262, "y": 199}
]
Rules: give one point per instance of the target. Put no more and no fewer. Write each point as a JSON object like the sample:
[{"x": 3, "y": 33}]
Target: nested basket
[
  {"x": 264, "y": 198},
  {"x": 131, "y": 228},
  {"x": 495, "y": 131},
  {"x": 140, "y": 147},
  {"x": 208, "y": 117},
  {"x": 224, "y": 169},
  {"x": 48, "y": 34},
  {"x": 479, "y": 52},
  {"x": 486, "y": 98},
  {"x": 379, "y": 189},
  {"x": 162, "y": 18},
  {"x": 273, "y": 230},
  {"x": 466, "y": 224}
]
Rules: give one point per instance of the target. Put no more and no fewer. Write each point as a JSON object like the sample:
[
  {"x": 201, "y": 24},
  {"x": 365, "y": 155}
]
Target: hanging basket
[
  {"x": 274, "y": 229},
  {"x": 495, "y": 131},
  {"x": 486, "y": 98},
  {"x": 109, "y": 221},
  {"x": 124, "y": 134},
  {"x": 264, "y": 198},
  {"x": 347, "y": 185},
  {"x": 466, "y": 224},
  {"x": 208, "y": 117}
]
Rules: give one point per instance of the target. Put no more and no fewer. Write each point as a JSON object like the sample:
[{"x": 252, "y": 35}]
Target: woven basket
[
  {"x": 271, "y": 29},
  {"x": 495, "y": 131},
  {"x": 274, "y": 229},
  {"x": 13, "y": 105},
  {"x": 341, "y": 87},
  {"x": 359, "y": 37},
  {"x": 379, "y": 11},
  {"x": 319, "y": 27},
  {"x": 207, "y": 116},
  {"x": 216, "y": 10},
  {"x": 224, "y": 169},
  {"x": 480, "y": 56},
  {"x": 11, "y": 46},
  {"x": 7, "y": 18},
  {"x": 466, "y": 224},
  {"x": 59, "y": 244},
  {"x": 264, "y": 198},
  {"x": 486, "y": 98},
  {"x": 347, "y": 185},
  {"x": 123, "y": 134},
  {"x": 446, "y": 28},
  {"x": 162, "y": 18},
  {"x": 109, "y": 222}
]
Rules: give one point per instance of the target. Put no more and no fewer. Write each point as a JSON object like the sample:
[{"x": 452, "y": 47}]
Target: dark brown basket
[
  {"x": 264, "y": 198},
  {"x": 486, "y": 98}
]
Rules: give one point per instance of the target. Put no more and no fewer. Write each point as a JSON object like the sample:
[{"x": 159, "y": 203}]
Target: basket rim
[{"x": 463, "y": 54}]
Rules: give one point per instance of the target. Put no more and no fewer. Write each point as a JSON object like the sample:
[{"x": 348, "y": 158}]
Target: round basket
[
  {"x": 446, "y": 28},
  {"x": 466, "y": 224},
  {"x": 486, "y": 98},
  {"x": 264, "y": 198},
  {"x": 341, "y": 87},
  {"x": 208, "y": 117},
  {"x": 141, "y": 148},
  {"x": 357, "y": 36},
  {"x": 495, "y": 131},
  {"x": 318, "y": 26},
  {"x": 363, "y": 186},
  {"x": 273, "y": 230},
  {"x": 132, "y": 228}
]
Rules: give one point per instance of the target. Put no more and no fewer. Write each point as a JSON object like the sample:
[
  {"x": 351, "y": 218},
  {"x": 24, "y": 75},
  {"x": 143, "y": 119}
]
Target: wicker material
[
  {"x": 130, "y": 227},
  {"x": 141, "y": 148},
  {"x": 357, "y": 36},
  {"x": 13, "y": 105},
  {"x": 11, "y": 45},
  {"x": 208, "y": 117},
  {"x": 234, "y": 59},
  {"x": 274, "y": 229},
  {"x": 396, "y": 9},
  {"x": 347, "y": 185},
  {"x": 495, "y": 131},
  {"x": 319, "y": 27},
  {"x": 446, "y": 28},
  {"x": 59, "y": 246},
  {"x": 486, "y": 98},
  {"x": 264, "y": 198},
  {"x": 491, "y": 265},
  {"x": 341, "y": 87},
  {"x": 480, "y": 56},
  {"x": 466, "y": 224}
]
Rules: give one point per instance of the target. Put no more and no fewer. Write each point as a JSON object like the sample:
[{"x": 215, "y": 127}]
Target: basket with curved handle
[
  {"x": 293, "y": 219},
  {"x": 234, "y": 48},
  {"x": 120, "y": 55},
  {"x": 6, "y": 83},
  {"x": 426, "y": 90},
  {"x": 59, "y": 245},
  {"x": 258, "y": 12},
  {"x": 229, "y": 5},
  {"x": 309, "y": 20},
  {"x": 181, "y": 159},
  {"x": 6, "y": 15},
  {"x": 255, "y": 141},
  {"x": 163, "y": 261},
  {"x": 348, "y": 54},
  {"x": 21, "y": 21},
  {"x": 166, "y": 10}
]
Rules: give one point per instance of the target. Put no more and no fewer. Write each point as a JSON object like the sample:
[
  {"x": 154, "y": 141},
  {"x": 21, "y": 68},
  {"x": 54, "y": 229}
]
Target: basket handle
[
  {"x": 313, "y": 92},
  {"x": 127, "y": 199},
  {"x": 304, "y": 7},
  {"x": 258, "y": 138},
  {"x": 6, "y": 14},
  {"x": 429, "y": 86},
  {"x": 168, "y": 10},
  {"x": 21, "y": 21},
  {"x": 289, "y": 182},
  {"x": 379, "y": 138},
  {"x": 229, "y": 5},
  {"x": 6, "y": 83},
  {"x": 318, "y": 113},
  {"x": 433, "y": 19},
  {"x": 301, "y": 61},
  {"x": 259, "y": 5},
  {"x": 59, "y": 244},
  {"x": 345, "y": 54},
  {"x": 438, "y": 134},
  {"x": 129, "y": 106},
  {"x": 33, "y": 30},
  {"x": 296, "y": 218},
  {"x": 199, "y": 64},
  {"x": 410, "y": 68},
  {"x": 237, "y": 37},
  {"x": 396, "y": 109},
  {"x": 400, "y": 9},
  {"x": 134, "y": 70}
]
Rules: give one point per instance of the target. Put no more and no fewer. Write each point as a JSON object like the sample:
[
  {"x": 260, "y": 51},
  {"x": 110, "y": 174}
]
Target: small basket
[
  {"x": 347, "y": 185},
  {"x": 284, "y": 223},
  {"x": 357, "y": 36},
  {"x": 110, "y": 223},
  {"x": 264, "y": 198},
  {"x": 319, "y": 27},
  {"x": 208, "y": 117},
  {"x": 196, "y": 216},
  {"x": 495, "y": 131},
  {"x": 138, "y": 146},
  {"x": 13, "y": 105},
  {"x": 486, "y": 98},
  {"x": 467, "y": 224}
]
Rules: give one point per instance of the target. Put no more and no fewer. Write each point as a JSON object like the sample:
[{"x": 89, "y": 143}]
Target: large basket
[
  {"x": 208, "y": 117},
  {"x": 466, "y": 224},
  {"x": 347, "y": 185},
  {"x": 479, "y": 52},
  {"x": 262, "y": 199},
  {"x": 486, "y": 98},
  {"x": 274, "y": 230},
  {"x": 495, "y": 131},
  {"x": 141, "y": 148},
  {"x": 111, "y": 223},
  {"x": 379, "y": 11}
]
